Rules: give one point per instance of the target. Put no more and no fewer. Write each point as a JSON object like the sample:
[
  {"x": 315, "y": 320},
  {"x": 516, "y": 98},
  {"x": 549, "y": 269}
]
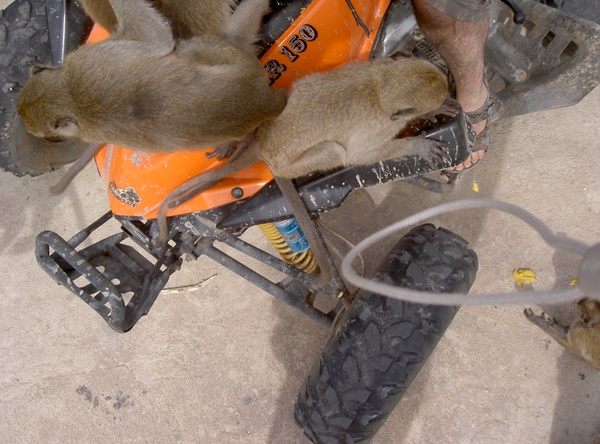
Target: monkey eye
[
  {"x": 587, "y": 321},
  {"x": 402, "y": 113},
  {"x": 37, "y": 68},
  {"x": 63, "y": 123},
  {"x": 53, "y": 139}
]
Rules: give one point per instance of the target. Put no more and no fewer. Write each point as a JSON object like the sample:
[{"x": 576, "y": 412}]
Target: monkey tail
[
  {"x": 201, "y": 183},
  {"x": 76, "y": 168},
  {"x": 243, "y": 26},
  {"x": 308, "y": 227}
]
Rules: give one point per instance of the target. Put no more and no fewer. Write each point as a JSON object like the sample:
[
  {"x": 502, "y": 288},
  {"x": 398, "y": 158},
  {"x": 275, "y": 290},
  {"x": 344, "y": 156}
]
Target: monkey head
[
  {"x": 45, "y": 105},
  {"x": 411, "y": 88},
  {"x": 590, "y": 313}
]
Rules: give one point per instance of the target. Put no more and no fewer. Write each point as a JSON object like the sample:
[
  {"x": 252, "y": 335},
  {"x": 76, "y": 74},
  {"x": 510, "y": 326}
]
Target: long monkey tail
[
  {"x": 201, "y": 183},
  {"x": 308, "y": 227},
  {"x": 242, "y": 28},
  {"x": 76, "y": 168}
]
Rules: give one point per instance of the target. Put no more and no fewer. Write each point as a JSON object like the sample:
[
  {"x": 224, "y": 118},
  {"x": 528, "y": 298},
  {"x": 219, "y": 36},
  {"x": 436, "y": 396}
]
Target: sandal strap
[{"x": 488, "y": 111}]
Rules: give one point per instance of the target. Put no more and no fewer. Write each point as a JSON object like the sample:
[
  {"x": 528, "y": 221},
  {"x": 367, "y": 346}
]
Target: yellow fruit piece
[
  {"x": 475, "y": 187},
  {"x": 524, "y": 276},
  {"x": 574, "y": 282}
]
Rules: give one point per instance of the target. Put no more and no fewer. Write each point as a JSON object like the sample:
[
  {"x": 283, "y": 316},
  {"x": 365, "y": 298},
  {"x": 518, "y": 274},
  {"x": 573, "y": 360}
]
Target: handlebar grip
[{"x": 518, "y": 14}]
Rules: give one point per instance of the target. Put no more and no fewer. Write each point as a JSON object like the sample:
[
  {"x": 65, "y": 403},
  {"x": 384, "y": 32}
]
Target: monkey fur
[
  {"x": 189, "y": 18},
  {"x": 143, "y": 90},
  {"x": 582, "y": 337},
  {"x": 348, "y": 116}
]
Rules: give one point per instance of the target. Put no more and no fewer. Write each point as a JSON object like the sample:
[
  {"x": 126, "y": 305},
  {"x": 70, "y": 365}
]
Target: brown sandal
[{"x": 488, "y": 112}]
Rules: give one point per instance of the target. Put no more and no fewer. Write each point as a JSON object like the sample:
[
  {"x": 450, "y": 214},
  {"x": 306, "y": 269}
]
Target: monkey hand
[
  {"x": 449, "y": 108},
  {"x": 232, "y": 150},
  {"x": 536, "y": 319},
  {"x": 222, "y": 151},
  {"x": 433, "y": 151},
  {"x": 544, "y": 321}
]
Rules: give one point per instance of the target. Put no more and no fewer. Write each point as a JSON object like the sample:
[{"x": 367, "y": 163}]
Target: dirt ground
[{"x": 224, "y": 364}]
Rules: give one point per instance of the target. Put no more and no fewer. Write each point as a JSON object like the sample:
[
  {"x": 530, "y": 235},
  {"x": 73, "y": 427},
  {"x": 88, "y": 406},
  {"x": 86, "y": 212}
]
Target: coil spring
[
  {"x": 304, "y": 261},
  {"x": 423, "y": 45}
]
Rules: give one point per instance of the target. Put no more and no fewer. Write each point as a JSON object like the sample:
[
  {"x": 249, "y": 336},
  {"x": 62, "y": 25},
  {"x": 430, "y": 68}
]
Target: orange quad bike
[{"x": 535, "y": 56}]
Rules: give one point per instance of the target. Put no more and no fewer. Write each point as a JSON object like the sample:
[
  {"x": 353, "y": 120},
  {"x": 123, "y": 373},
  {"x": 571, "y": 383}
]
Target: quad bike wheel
[
  {"x": 24, "y": 42},
  {"x": 380, "y": 344}
]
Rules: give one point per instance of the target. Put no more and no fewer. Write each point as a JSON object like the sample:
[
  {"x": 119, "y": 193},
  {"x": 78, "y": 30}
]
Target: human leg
[{"x": 462, "y": 45}]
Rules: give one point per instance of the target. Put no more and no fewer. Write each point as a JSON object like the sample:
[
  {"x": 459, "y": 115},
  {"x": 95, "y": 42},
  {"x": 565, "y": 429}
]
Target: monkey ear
[
  {"x": 402, "y": 112},
  {"x": 66, "y": 126},
  {"x": 35, "y": 69},
  {"x": 400, "y": 55}
]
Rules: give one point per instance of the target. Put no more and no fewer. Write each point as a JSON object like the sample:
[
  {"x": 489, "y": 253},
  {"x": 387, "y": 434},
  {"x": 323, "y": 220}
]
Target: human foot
[{"x": 480, "y": 119}]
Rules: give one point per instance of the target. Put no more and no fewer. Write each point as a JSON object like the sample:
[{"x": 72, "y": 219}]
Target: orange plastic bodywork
[{"x": 325, "y": 36}]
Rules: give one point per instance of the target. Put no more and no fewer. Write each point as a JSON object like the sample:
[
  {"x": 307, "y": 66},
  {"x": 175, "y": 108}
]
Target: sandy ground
[{"x": 224, "y": 364}]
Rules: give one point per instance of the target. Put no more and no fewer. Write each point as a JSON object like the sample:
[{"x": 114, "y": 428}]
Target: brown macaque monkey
[
  {"x": 582, "y": 337},
  {"x": 189, "y": 18},
  {"x": 143, "y": 90},
  {"x": 348, "y": 116}
]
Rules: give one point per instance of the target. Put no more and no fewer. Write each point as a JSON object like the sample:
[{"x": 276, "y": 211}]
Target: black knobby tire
[
  {"x": 380, "y": 344},
  {"x": 24, "y": 42}
]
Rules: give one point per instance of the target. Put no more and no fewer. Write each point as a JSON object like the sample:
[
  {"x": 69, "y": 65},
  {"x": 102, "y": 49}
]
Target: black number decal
[
  {"x": 298, "y": 45},
  {"x": 288, "y": 53},
  {"x": 308, "y": 33},
  {"x": 274, "y": 69}
]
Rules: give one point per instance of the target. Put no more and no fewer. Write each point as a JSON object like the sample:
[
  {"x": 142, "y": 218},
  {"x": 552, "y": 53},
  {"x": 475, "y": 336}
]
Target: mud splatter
[
  {"x": 88, "y": 395},
  {"x": 117, "y": 402}
]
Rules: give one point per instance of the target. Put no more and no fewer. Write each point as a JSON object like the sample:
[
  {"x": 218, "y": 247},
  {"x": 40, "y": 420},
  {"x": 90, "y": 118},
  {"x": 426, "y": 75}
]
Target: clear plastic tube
[{"x": 425, "y": 297}]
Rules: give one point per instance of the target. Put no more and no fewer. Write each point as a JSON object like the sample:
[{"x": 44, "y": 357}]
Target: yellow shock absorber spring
[{"x": 304, "y": 261}]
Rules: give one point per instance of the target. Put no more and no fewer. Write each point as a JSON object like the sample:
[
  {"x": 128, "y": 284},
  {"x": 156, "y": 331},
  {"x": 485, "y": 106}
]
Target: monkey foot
[{"x": 545, "y": 322}]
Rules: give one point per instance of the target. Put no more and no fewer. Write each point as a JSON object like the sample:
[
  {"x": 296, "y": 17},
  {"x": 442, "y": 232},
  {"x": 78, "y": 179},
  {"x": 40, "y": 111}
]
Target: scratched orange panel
[
  {"x": 98, "y": 34},
  {"x": 333, "y": 39},
  {"x": 138, "y": 181}
]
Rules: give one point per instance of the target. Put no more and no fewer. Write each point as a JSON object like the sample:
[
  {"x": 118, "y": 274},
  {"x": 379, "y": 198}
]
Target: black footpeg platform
[{"x": 113, "y": 278}]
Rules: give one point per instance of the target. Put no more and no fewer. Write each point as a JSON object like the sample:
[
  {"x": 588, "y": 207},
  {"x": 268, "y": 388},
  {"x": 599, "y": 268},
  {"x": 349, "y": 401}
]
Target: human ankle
[{"x": 472, "y": 100}]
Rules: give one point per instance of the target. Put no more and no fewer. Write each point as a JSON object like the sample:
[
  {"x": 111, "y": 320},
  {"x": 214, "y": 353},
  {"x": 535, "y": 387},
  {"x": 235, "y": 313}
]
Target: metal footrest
[{"x": 106, "y": 273}]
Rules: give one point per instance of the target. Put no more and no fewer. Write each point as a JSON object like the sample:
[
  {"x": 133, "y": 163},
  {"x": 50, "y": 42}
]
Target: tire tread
[
  {"x": 23, "y": 43},
  {"x": 380, "y": 343}
]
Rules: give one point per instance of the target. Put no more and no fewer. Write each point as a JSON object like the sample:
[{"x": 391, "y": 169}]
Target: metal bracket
[{"x": 56, "y": 16}]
